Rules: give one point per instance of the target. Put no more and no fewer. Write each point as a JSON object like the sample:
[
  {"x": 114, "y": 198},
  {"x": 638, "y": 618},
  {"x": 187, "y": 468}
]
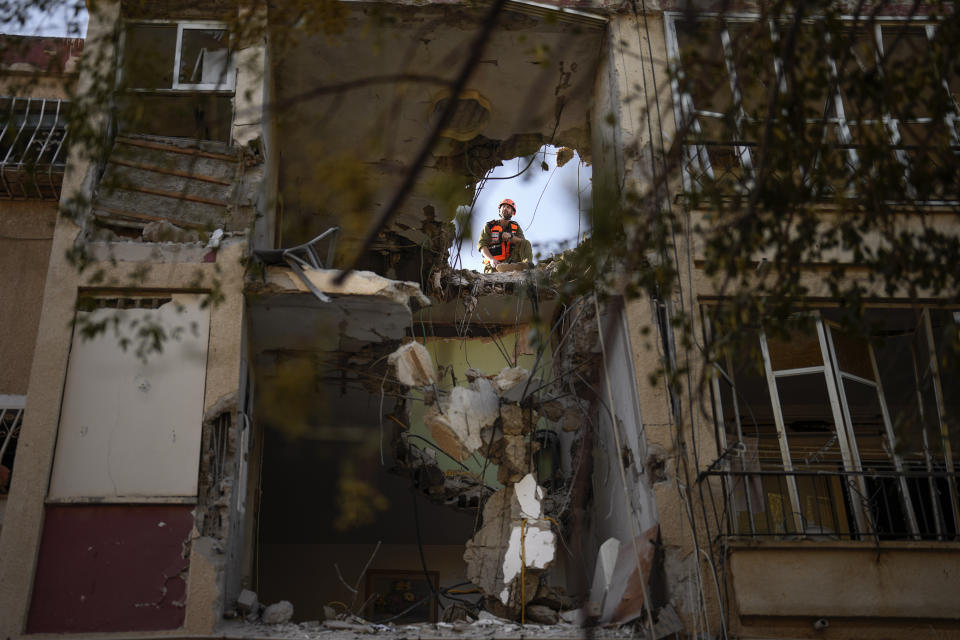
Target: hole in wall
[{"x": 552, "y": 190}]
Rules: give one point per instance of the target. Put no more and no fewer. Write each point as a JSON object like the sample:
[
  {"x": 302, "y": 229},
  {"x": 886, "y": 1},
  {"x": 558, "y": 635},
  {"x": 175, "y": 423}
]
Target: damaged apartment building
[{"x": 236, "y": 401}]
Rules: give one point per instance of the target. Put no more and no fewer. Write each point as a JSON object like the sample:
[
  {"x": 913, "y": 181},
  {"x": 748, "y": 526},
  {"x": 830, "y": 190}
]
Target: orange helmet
[{"x": 509, "y": 202}]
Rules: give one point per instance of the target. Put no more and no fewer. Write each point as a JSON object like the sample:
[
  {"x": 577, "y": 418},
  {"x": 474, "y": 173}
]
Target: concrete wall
[
  {"x": 157, "y": 270},
  {"x": 623, "y": 505},
  {"x": 26, "y": 234},
  {"x": 850, "y": 580},
  {"x": 854, "y": 586}
]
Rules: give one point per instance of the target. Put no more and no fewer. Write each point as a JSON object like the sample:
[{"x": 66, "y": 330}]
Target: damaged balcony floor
[{"x": 491, "y": 628}]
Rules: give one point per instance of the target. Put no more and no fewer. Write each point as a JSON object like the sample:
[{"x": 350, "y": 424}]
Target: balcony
[{"x": 33, "y": 146}]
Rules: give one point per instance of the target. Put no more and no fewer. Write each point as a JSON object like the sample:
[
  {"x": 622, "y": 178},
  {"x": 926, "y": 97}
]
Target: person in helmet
[{"x": 502, "y": 242}]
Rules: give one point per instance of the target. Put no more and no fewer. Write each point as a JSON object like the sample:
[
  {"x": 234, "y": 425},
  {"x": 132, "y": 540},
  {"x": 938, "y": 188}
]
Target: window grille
[
  {"x": 11, "y": 417},
  {"x": 33, "y": 149}
]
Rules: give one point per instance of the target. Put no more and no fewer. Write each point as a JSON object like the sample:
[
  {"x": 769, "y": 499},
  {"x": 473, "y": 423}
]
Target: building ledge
[{"x": 895, "y": 579}]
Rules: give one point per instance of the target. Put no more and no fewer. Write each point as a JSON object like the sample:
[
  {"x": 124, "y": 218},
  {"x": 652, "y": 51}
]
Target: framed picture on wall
[{"x": 402, "y": 597}]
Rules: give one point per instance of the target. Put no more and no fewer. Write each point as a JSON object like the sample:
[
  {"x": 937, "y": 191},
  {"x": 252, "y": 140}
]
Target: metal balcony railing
[
  {"x": 927, "y": 174},
  {"x": 33, "y": 147},
  {"x": 913, "y": 504}
]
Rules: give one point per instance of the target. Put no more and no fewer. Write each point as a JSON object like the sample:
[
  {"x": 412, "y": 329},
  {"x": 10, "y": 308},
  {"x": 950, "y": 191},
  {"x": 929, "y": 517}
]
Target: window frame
[
  {"x": 230, "y": 77},
  {"x": 855, "y": 471},
  {"x": 696, "y": 160}
]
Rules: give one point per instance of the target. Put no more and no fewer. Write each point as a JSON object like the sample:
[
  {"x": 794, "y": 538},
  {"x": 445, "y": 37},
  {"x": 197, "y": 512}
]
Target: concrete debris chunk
[
  {"x": 602, "y": 575},
  {"x": 553, "y": 409},
  {"x": 514, "y": 460},
  {"x": 164, "y": 231},
  {"x": 514, "y": 454},
  {"x": 510, "y": 383},
  {"x": 343, "y": 625},
  {"x": 529, "y": 496},
  {"x": 413, "y": 365},
  {"x": 516, "y": 420},
  {"x": 541, "y": 614},
  {"x": 472, "y": 374},
  {"x": 467, "y": 412},
  {"x": 668, "y": 623},
  {"x": 512, "y": 536},
  {"x": 485, "y": 618},
  {"x": 247, "y": 602},
  {"x": 572, "y": 419},
  {"x": 630, "y": 579},
  {"x": 279, "y": 613},
  {"x": 554, "y": 597},
  {"x": 574, "y": 616},
  {"x": 443, "y": 434},
  {"x": 532, "y": 544}
]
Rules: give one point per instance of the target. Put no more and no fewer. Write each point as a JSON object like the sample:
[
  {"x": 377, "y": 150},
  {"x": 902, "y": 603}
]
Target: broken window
[
  {"x": 838, "y": 435},
  {"x": 838, "y": 95},
  {"x": 177, "y": 80},
  {"x": 185, "y": 56}
]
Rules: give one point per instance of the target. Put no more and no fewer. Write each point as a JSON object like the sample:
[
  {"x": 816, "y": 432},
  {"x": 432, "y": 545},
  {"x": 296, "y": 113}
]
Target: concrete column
[{"x": 20, "y": 537}]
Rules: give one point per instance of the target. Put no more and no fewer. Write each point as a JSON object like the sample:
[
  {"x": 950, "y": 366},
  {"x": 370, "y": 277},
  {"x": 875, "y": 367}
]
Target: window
[
  {"x": 183, "y": 57},
  {"x": 840, "y": 435},
  {"x": 177, "y": 80},
  {"x": 889, "y": 85}
]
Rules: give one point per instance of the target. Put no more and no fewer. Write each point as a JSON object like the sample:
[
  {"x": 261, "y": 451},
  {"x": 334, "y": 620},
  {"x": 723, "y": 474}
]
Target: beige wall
[
  {"x": 37, "y": 85},
  {"x": 855, "y": 586},
  {"x": 26, "y": 233}
]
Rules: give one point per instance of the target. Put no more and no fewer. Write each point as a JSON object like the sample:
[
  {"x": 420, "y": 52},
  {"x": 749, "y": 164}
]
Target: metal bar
[
  {"x": 157, "y": 146},
  {"x": 743, "y": 153},
  {"x": 892, "y": 444},
  {"x": 14, "y": 428},
  {"x": 739, "y": 424},
  {"x": 927, "y": 455},
  {"x": 822, "y": 473},
  {"x": 170, "y": 172},
  {"x": 174, "y": 195},
  {"x": 26, "y": 152},
  {"x": 6, "y": 157},
  {"x": 942, "y": 417},
  {"x": 781, "y": 431},
  {"x": 801, "y": 371},
  {"x": 322, "y": 297},
  {"x": 842, "y": 422},
  {"x": 722, "y": 431},
  {"x": 43, "y": 149}
]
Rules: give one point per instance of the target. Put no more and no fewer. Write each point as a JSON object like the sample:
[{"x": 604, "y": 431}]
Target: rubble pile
[{"x": 496, "y": 417}]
